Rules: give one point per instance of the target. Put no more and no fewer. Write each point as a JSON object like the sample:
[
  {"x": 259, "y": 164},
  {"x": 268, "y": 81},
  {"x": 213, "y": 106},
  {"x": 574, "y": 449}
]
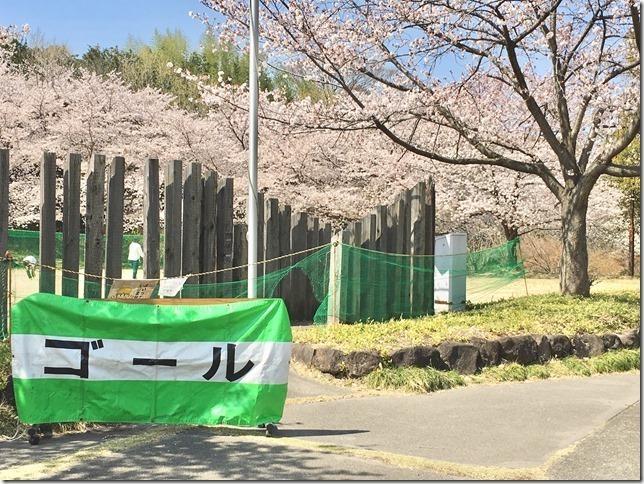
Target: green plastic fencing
[{"x": 370, "y": 285}]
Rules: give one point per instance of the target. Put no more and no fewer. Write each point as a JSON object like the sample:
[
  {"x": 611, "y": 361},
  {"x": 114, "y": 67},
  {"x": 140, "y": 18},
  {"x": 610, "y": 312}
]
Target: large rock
[
  {"x": 586, "y": 345},
  {"x": 329, "y": 360},
  {"x": 560, "y": 345},
  {"x": 303, "y": 353},
  {"x": 544, "y": 348},
  {"x": 461, "y": 357},
  {"x": 630, "y": 339},
  {"x": 490, "y": 351},
  {"x": 611, "y": 341},
  {"x": 419, "y": 356},
  {"x": 360, "y": 363},
  {"x": 519, "y": 349}
]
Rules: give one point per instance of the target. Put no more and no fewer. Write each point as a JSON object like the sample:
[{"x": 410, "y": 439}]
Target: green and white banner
[{"x": 107, "y": 361}]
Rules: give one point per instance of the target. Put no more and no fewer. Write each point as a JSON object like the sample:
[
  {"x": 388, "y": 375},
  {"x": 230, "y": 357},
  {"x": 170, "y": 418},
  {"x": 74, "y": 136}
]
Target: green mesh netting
[
  {"x": 366, "y": 285},
  {"x": 27, "y": 242}
]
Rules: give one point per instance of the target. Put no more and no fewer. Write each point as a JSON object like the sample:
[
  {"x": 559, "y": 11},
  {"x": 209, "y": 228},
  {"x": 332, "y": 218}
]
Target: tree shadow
[
  {"x": 20, "y": 452},
  {"x": 200, "y": 453}
]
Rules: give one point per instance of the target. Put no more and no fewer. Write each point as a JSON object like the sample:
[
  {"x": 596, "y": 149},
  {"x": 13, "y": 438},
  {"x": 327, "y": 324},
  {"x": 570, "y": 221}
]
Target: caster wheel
[
  {"x": 271, "y": 430},
  {"x": 34, "y": 439}
]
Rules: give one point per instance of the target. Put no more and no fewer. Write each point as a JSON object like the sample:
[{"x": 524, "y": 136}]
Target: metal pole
[{"x": 251, "y": 212}]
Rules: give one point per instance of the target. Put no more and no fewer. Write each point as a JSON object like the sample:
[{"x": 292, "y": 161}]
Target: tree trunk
[
  {"x": 573, "y": 277},
  {"x": 511, "y": 233},
  {"x": 631, "y": 238}
]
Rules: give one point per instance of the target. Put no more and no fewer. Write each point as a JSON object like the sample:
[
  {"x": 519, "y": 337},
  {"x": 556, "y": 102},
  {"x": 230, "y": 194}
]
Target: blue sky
[{"x": 79, "y": 23}]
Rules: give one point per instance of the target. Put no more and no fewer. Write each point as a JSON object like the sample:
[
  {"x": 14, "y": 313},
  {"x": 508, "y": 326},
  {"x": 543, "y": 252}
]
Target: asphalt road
[{"x": 586, "y": 428}]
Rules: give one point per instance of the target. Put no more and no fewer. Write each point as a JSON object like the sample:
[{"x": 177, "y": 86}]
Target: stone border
[{"x": 465, "y": 358}]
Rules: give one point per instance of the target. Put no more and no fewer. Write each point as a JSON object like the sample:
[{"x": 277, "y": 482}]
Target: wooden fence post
[
  {"x": 353, "y": 270},
  {"x": 209, "y": 233},
  {"x": 381, "y": 267},
  {"x": 430, "y": 240},
  {"x": 151, "y": 231},
  {"x": 398, "y": 247},
  {"x": 284, "y": 287},
  {"x": 240, "y": 252},
  {"x": 417, "y": 248},
  {"x": 336, "y": 313},
  {"x": 71, "y": 224},
  {"x": 260, "y": 244},
  {"x": 94, "y": 222},
  {"x": 312, "y": 240},
  {"x": 298, "y": 296},
  {"x": 225, "y": 232},
  {"x": 48, "y": 222},
  {"x": 114, "y": 238},
  {"x": 191, "y": 227},
  {"x": 368, "y": 266},
  {"x": 271, "y": 243},
  {"x": 4, "y": 236},
  {"x": 172, "y": 227}
]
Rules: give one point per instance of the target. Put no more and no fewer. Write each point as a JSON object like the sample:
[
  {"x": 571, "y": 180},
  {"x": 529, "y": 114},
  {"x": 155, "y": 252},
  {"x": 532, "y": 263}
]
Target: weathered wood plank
[
  {"x": 4, "y": 201},
  {"x": 430, "y": 240},
  {"x": 208, "y": 233},
  {"x": 114, "y": 238},
  {"x": 298, "y": 296},
  {"x": 283, "y": 288},
  {"x": 335, "y": 309},
  {"x": 260, "y": 240},
  {"x": 48, "y": 222},
  {"x": 380, "y": 266},
  {"x": 94, "y": 223},
  {"x": 406, "y": 235},
  {"x": 240, "y": 252},
  {"x": 225, "y": 230},
  {"x": 151, "y": 231},
  {"x": 71, "y": 224},
  {"x": 271, "y": 243},
  {"x": 312, "y": 240},
  {"x": 345, "y": 311},
  {"x": 191, "y": 228},
  {"x": 4, "y": 236},
  {"x": 354, "y": 278},
  {"x": 417, "y": 248},
  {"x": 172, "y": 227},
  {"x": 398, "y": 247}
]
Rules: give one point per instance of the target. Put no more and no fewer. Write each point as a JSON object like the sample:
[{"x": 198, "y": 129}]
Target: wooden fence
[
  {"x": 405, "y": 227},
  {"x": 200, "y": 234}
]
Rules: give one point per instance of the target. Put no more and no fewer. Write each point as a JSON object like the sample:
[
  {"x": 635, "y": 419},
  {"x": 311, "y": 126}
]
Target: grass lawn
[
  {"x": 535, "y": 286},
  {"x": 545, "y": 314}
]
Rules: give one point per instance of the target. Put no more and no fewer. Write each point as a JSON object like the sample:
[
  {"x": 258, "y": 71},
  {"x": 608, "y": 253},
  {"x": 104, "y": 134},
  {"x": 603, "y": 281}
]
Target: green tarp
[{"x": 191, "y": 363}]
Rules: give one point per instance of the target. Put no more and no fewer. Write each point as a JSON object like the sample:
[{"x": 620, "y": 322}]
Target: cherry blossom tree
[{"x": 560, "y": 75}]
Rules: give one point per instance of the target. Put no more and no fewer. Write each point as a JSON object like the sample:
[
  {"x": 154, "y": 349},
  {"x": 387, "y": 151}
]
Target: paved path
[{"x": 568, "y": 428}]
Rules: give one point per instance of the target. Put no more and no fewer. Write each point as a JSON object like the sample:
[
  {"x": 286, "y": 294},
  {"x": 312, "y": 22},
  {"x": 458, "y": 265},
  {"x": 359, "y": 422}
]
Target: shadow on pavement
[
  {"x": 20, "y": 452},
  {"x": 199, "y": 453},
  {"x": 315, "y": 432}
]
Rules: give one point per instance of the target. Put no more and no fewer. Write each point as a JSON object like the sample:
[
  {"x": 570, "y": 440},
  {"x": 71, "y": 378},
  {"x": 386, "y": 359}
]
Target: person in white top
[{"x": 134, "y": 257}]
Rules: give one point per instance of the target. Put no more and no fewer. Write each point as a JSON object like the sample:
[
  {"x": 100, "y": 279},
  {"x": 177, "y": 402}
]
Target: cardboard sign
[
  {"x": 132, "y": 288},
  {"x": 170, "y": 287}
]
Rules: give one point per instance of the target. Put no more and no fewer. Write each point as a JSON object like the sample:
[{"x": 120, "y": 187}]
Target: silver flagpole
[{"x": 252, "y": 150}]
